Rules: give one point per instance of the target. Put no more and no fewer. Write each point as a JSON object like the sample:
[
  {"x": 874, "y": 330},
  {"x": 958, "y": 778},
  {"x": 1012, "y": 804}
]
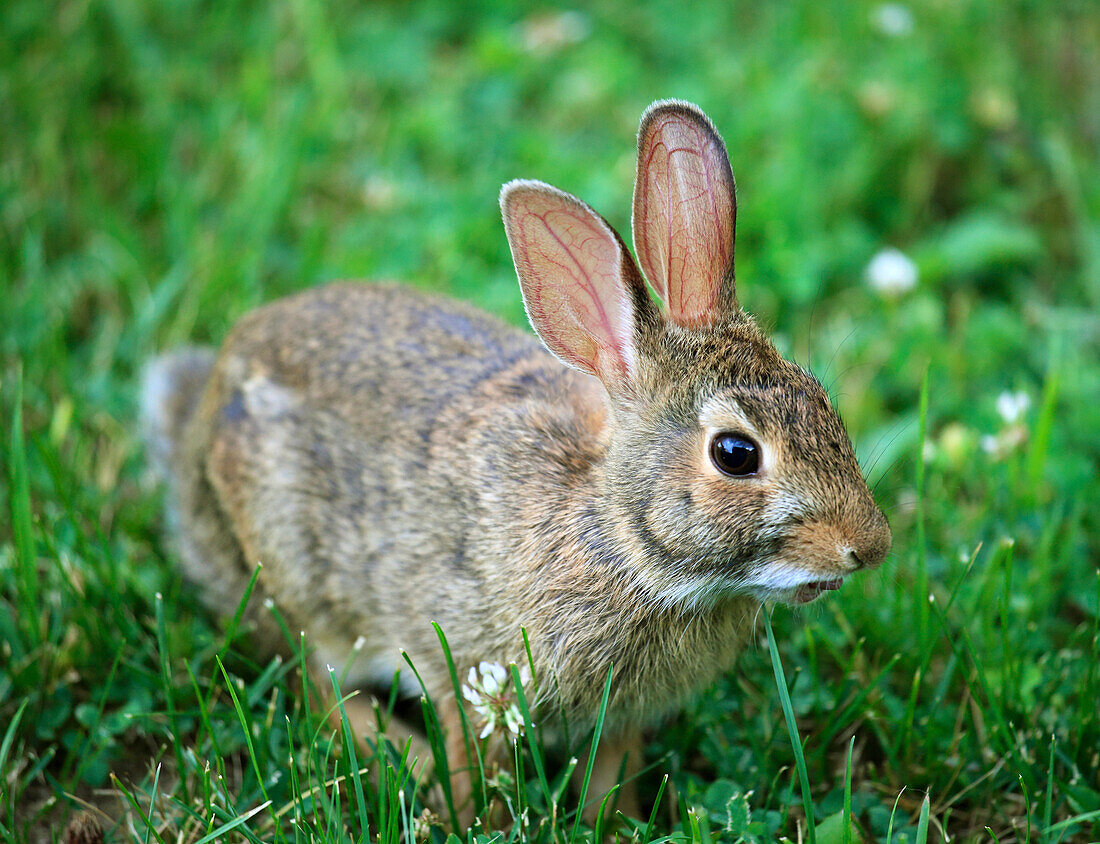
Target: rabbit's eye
[{"x": 735, "y": 455}]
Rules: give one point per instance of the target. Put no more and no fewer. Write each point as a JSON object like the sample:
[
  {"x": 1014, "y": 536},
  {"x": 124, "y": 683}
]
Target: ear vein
[{"x": 597, "y": 310}]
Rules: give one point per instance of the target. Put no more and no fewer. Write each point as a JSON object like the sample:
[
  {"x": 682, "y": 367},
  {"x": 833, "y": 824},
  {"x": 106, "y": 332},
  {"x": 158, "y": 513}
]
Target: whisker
[
  {"x": 813, "y": 313},
  {"x": 897, "y": 433},
  {"x": 756, "y": 619},
  {"x": 889, "y": 469},
  {"x": 836, "y": 351}
]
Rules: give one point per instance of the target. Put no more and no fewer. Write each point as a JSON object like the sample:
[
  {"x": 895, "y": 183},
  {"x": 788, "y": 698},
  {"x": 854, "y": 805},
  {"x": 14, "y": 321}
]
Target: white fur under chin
[
  {"x": 784, "y": 586},
  {"x": 703, "y": 594},
  {"x": 772, "y": 582}
]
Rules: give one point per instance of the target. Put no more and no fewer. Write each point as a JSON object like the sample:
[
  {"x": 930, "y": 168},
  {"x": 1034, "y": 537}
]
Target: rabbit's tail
[{"x": 171, "y": 386}]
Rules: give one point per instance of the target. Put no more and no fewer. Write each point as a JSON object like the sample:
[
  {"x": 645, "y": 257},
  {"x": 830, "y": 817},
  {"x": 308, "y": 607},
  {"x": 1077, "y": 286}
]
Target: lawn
[{"x": 919, "y": 197}]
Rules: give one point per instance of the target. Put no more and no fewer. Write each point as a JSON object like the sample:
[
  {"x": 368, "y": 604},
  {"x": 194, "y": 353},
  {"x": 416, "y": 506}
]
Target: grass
[{"x": 166, "y": 167}]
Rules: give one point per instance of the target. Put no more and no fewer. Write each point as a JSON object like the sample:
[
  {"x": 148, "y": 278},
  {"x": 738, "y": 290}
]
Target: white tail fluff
[{"x": 170, "y": 389}]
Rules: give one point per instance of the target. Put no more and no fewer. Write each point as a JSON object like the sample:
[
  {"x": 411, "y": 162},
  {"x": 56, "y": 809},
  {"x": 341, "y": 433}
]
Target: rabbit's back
[{"x": 385, "y": 358}]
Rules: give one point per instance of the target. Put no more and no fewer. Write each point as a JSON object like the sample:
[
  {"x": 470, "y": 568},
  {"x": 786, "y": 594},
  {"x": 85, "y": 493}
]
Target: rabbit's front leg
[
  {"x": 459, "y": 758},
  {"x": 361, "y": 710},
  {"x": 616, "y": 753}
]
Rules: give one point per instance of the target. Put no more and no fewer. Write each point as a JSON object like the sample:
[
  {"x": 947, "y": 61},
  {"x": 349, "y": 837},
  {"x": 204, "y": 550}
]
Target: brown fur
[{"x": 395, "y": 459}]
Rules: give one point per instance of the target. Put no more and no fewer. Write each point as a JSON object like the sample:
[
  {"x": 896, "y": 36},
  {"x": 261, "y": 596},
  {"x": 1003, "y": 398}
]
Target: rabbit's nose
[{"x": 871, "y": 544}]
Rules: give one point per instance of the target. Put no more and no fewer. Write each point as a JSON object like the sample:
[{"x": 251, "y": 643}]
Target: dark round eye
[{"x": 735, "y": 455}]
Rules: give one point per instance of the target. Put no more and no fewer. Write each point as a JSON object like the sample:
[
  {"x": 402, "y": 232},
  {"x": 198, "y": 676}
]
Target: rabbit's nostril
[{"x": 871, "y": 547}]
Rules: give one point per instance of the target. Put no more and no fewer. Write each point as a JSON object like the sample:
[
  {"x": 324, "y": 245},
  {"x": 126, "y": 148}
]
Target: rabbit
[{"x": 629, "y": 490}]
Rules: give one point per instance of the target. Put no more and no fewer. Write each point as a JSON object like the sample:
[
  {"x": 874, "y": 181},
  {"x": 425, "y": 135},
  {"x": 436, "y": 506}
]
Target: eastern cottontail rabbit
[{"x": 631, "y": 497}]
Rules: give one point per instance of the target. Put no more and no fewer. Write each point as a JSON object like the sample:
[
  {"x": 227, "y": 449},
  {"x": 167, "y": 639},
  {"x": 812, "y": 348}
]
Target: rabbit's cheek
[{"x": 729, "y": 511}]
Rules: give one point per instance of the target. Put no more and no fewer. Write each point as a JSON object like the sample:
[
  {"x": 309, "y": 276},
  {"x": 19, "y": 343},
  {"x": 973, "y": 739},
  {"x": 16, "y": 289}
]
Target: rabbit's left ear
[
  {"x": 684, "y": 213},
  {"x": 580, "y": 286}
]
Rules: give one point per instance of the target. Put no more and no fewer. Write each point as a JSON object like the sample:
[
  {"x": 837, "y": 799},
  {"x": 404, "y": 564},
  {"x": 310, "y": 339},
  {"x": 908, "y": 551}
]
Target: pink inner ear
[
  {"x": 684, "y": 213},
  {"x": 570, "y": 268}
]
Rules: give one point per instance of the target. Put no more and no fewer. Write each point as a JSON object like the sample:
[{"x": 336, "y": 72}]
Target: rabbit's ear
[
  {"x": 684, "y": 212},
  {"x": 579, "y": 283}
]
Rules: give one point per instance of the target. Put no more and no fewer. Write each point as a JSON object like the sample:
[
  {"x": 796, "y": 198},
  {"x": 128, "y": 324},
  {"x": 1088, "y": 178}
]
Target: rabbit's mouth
[
  {"x": 812, "y": 591},
  {"x": 794, "y": 594}
]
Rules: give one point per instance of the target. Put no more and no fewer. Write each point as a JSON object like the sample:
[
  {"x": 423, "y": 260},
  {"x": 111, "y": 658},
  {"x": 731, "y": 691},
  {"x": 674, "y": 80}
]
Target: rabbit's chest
[{"x": 657, "y": 659}]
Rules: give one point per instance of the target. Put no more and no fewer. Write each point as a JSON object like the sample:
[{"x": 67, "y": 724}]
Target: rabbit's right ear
[
  {"x": 684, "y": 213},
  {"x": 579, "y": 283}
]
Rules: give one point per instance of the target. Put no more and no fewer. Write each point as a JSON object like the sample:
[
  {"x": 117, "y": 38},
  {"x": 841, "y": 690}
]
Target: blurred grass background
[{"x": 166, "y": 166}]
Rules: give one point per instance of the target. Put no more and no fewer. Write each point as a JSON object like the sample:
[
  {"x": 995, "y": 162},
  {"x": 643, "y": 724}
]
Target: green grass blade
[
  {"x": 963, "y": 578},
  {"x": 350, "y": 748},
  {"x": 22, "y": 524},
  {"x": 436, "y": 741},
  {"x": 922, "y": 542},
  {"x": 521, "y": 779},
  {"x": 530, "y": 663},
  {"x": 153, "y": 799},
  {"x": 893, "y": 812},
  {"x": 1044, "y": 424},
  {"x": 532, "y": 743},
  {"x": 1048, "y": 808},
  {"x": 597, "y": 828},
  {"x": 245, "y": 727},
  {"x": 922, "y": 822},
  {"x": 653, "y": 812},
  {"x": 9, "y": 735},
  {"x": 921, "y": 587},
  {"x": 295, "y": 801},
  {"x": 238, "y": 615},
  {"x": 1074, "y": 821},
  {"x": 691, "y": 822},
  {"x": 792, "y": 729},
  {"x": 563, "y": 780},
  {"x": 1090, "y": 688},
  {"x": 468, "y": 741},
  {"x": 1027, "y": 806},
  {"x": 600, "y": 714},
  {"x": 133, "y": 803},
  {"x": 238, "y": 821},
  {"x": 308, "y": 688},
  {"x": 204, "y": 713},
  {"x": 848, "y": 793},
  {"x": 234, "y": 623},
  {"x": 169, "y": 695}
]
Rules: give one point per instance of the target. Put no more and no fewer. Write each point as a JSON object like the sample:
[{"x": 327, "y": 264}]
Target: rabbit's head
[{"x": 728, "y": 471}]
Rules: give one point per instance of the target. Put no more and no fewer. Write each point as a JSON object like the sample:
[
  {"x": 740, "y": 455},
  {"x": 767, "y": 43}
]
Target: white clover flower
[
  {"x": 548, "y": 33},
  {"x": 956, "y": 442},
  {"x": 1008, "y": 440},
  {"x": 423, "y": 823},
  {"x": 1013, "y": 406},
  {"x": 380, "y": 193},
  {"x": 492, "y": 697},
  {"x": 928, "y": 452},
  {"x": 893, "y": 19},
  {"x": 892, "y": 272}
]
